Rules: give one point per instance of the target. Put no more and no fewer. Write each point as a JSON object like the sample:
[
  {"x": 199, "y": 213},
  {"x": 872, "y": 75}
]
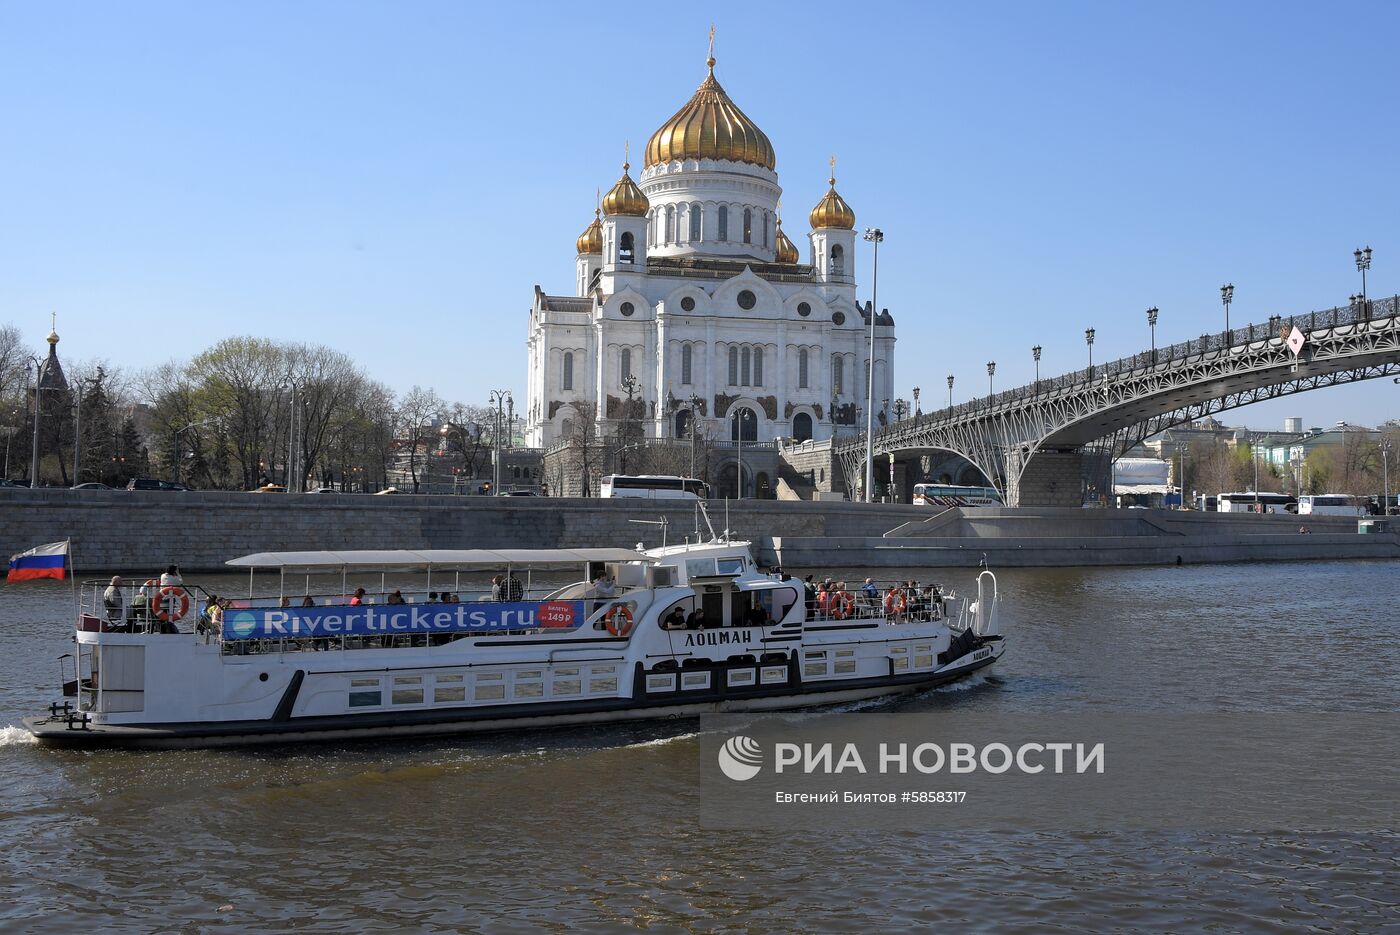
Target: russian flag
[{"x": 42, "y": 561}]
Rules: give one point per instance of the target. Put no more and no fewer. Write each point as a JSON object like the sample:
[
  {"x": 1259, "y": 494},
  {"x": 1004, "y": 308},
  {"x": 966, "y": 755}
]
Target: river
[{"x": 593, "y": 830}]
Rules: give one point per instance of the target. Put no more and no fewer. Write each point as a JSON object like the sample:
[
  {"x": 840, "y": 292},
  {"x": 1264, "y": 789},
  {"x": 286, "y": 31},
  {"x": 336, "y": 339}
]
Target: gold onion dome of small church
[
  {"x": 591, "y": 240},
  {"x": 832, "y": 211},
  {"x": 786, "y": 251},
  {"x": 625, "y": 199},
  {"x": 710, "y": 126}
]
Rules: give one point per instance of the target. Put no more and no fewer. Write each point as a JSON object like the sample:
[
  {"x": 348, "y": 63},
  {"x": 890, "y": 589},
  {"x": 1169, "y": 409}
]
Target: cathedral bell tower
[
  {"x": 833, "y": 236},
  {"x": 625, "y": 226}
]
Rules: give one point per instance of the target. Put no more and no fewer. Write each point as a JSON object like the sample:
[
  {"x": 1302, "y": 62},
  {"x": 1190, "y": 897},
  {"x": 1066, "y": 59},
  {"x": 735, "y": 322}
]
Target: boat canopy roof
[{"x": 428, "y": 559}]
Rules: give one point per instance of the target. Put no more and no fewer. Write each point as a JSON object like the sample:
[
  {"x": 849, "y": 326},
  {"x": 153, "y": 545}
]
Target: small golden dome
[
  {"x": 832, "y": 210},
  {"x": 787, "y": 252},
  {"x": 625, "y": 199},
  {"x": 591, "y": 240},
  {"x": 710, "y": 126},
  {"x": 53, "y": 337}
]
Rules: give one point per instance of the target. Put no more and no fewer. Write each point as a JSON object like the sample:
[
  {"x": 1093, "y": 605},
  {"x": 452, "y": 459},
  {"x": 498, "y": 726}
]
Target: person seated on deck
[
  {"x": 872, "y": 593},
  {"x": 171, "y": 577},
  {"x": 358, "y": 597},
  {"x": 112, "y": 600},
  {"x": 396, "y": 597},
  {"x": 696, "y": 620},
  {"x": 756, "y": 616},
  {"x": 433, "y": 597},
  {"x": 285, "y": 602},
  {"x": 308, "y": 601},
  {"x": 675, "y": 620},
  {"x": 935, "y": 602}
]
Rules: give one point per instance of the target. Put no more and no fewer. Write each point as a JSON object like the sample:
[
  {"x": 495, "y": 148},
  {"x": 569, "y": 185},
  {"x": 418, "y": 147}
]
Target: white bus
[
  {"x": 1331, "y": 504},
  {"x": 954, "y": 495},
  {"x": 653, "y": 486},
  {"x": 1245, "y": 502}
]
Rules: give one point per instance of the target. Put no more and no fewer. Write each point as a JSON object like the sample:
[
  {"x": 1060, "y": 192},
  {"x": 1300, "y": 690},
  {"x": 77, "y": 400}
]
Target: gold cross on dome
[{"x": 712, "y": 45}]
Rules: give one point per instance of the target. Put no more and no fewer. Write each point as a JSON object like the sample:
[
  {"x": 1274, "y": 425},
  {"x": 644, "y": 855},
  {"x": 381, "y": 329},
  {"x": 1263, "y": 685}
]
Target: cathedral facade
[{"x": 693, "y": 311}]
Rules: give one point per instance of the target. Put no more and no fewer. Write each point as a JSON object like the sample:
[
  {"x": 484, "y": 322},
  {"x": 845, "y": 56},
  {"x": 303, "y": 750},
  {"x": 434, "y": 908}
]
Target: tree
[{"x": 417, "y": 412}]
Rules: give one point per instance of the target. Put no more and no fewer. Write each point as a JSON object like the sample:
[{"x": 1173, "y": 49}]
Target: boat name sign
[{"x": 256, "y": 623}]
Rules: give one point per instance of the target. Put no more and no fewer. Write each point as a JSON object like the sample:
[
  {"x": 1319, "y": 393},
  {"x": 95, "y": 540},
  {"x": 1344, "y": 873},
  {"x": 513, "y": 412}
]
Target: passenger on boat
[
  {"x": 810, "y": 592},
  {"x": 358, "y": 597},
  {"x": 515, "y": 591},
  {"x": 112, "y": 599},
  {"x": 824, "y": 598},
  {"x": 675, "y": 620},
  {"x": 396, "y": 597},
  {"x": 433, "y": 597},
  {"x": 696, "y": 620},
  {"x": 756, "y": 616},
  {"x": 171, "y": 577},
  {"x": 308, "y": 601},
  {"x": 285, "y": 602},
  {"x": 498, "y": 588}
]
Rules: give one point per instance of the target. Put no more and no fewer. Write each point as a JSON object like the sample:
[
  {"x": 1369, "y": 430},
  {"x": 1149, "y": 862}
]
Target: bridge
[{"x": 1045, "y": 443}]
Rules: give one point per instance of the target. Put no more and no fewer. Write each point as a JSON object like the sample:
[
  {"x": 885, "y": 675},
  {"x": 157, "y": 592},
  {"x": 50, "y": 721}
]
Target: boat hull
[{"x": 57, "y": 731}]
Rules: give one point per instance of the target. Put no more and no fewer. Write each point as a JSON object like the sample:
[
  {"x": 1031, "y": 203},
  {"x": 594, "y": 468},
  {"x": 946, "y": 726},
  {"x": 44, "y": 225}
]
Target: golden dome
[
  {"x": 710, "y": 126},
  {"x": 625, "y": 199},
  {"x": 591, "y": 240},
  {"x": 832, "y": 210},
  {"x": 786, "y": 251}
]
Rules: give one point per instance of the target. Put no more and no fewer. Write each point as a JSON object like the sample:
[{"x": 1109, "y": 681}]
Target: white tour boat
[{"x": 677, "y": 631}]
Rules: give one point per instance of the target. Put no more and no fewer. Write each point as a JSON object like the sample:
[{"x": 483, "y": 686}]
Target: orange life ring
[
  {"x": 896, "y": 602},
  {"x": 842, "y": 605},
  {"x": 179, "y": 596},
  {"x": 622, "y": 613}
]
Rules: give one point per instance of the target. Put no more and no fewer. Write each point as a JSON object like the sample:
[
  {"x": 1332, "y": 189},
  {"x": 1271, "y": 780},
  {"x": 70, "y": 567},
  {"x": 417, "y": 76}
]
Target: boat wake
[{"x": 11, "y": 736}]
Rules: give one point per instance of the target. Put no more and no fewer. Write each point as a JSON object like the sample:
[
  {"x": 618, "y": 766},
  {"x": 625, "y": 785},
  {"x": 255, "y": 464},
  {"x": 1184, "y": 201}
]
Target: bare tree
[{"x": 417, "y": 411}]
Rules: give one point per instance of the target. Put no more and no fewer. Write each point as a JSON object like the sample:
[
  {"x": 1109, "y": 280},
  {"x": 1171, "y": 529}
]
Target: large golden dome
[
  {"x": 591, "y": 240},
  {"x": 786, "y": 251},
  {"x": 832, "y": 210},
  {"x": 710, "y": 126},
  {"x": 625, "y": 199}
]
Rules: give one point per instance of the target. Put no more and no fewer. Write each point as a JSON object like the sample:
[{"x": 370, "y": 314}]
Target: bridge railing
[{"x": 1277, "y": 326}]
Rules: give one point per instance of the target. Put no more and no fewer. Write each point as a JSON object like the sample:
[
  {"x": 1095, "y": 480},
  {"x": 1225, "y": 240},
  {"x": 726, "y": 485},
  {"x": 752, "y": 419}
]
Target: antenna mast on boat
[{"x": 664, "y": 522}]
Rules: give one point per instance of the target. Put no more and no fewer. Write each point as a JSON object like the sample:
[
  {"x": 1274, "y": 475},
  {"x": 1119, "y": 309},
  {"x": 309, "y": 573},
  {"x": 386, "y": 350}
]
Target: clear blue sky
[{"x": 392, "y": 179}]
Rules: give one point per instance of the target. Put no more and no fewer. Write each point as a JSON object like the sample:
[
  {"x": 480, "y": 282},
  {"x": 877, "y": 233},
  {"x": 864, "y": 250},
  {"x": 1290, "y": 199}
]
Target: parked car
[
  {"x": 271, "y": 488},
  {"x": 521, "y": 493},
  {"x": 6, "y": 482},
  {"x": 91, "y": 485}
]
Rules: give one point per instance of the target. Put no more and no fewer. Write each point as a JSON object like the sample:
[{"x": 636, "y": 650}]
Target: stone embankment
[{"x": 142, "y": 531}]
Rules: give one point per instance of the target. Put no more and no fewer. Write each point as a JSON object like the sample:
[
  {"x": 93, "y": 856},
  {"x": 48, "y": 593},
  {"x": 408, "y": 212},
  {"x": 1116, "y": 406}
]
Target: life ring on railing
[
  {"x": 172, "y": 603},
  {"x": 618, "y": 620},
  {"x": 896, "y": 602},
  {"x": 842, "y": 605}
]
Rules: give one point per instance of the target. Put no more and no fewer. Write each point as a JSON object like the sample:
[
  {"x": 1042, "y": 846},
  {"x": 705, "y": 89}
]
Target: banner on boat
[{"x": 261, "y": 623}]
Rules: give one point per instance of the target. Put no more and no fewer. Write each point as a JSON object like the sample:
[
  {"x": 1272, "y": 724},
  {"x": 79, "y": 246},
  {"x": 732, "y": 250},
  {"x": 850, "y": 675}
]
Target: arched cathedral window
[
  {"x": 568, "y": 381},
  {"x": 733, "y": 365},
  {"x": 745, "y": 367},
  {"x": 748, "y": 226},
  {"x": 723, "y": 222},
  {"x": 838, "y": 373},
  {"x": 838, "y": 260},
  {"x": 627, "y": 248},
  {"x": 685, "y": 364},
  {"x": 624, "y": 364},
  {"x": 670, "y": 224},
  {"x": 802, "y": 369},
  {"x": 695, "y": 221}
]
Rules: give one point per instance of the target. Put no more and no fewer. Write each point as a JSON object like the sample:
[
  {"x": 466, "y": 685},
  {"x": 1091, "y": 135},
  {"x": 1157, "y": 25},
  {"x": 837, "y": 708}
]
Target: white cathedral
[{"x": 693, "y": 305}]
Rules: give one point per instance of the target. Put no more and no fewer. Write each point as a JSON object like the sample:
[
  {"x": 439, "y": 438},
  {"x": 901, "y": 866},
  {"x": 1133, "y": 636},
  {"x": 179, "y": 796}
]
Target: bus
[
  {"x": 1331, "y": 504},
  {"x": 954, "y": 495},
  {"x": 1245, "y": 502},
  {"x": 653, "y": 487}
]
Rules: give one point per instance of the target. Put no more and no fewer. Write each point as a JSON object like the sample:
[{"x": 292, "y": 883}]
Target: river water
[{"x": 595, "y": 829}]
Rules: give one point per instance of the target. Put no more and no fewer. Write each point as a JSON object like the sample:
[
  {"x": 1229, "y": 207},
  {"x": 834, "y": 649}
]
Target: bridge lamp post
[
  {"x": 876, "y": 237},
  {"x": 1035, "y": 354},
  {"x": 1227, "y": 295},
  {"x": 917, "y": 411},
  {"x": 950, "y": 393},
  {"x": 991, "y": 372},
  {"x": 1152, "y": 326},
  {"x": 1363, "y": 263},
  {"x": 1089, "y": 340}
]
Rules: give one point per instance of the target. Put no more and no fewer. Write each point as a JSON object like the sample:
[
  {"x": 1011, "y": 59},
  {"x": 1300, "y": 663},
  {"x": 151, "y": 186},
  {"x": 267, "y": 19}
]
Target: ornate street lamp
[
  {"x": 917, "y": 411},
  {"x": 1363, "y": 263},
  {"x": 1152, "y": 325},
  {"x": 950, "y": 391},
  {"x": 1035, "y": 354},
  {"x": 991, "y": 372},
  {"x": 1089, "y": 340},
  {"x": 1227, "y": 295},
  {"x": 877, "y": 237}
]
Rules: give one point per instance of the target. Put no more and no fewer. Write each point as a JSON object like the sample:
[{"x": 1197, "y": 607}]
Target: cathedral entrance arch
[
  {"x": 802, "y": 426},
  {"x": 729, "y": 482},
  {"x": 683, "y": 422}
]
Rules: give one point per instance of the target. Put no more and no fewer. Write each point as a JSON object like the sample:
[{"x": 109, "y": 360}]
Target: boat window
[
  {"x": 699, "y": 567},
  {"x": 777, "y": 602},
  {"x": 713, "y": 606},
  {"x": 448, "y": 688},
  {"x": 729, "y": 566},
  {"x": 408, "y": 690},
  {"x": 676, "y": 616},
  {"x": 369, "y": 695}
]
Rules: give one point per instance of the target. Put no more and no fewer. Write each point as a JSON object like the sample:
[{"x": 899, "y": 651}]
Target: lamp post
[
  {"x": 498, "y": 399},
  {"x": 991, "y": 372},
  {"x": 1152, "y": 326},
  {"x": 950, "y": 392},
  {"x": 744, "y": 415},
  {"x": 631, "y": 385},
  {"x": 1386, "y": 448},
  {"x": 1254, "y": 456},
  {"x": 1363, "y": 263},
  {"x": 884, "y": 408},
  {"x": 293, "y": 482},
  {"x": 1089, "y": 340},
  {"x": 38, "y": 409},
  {"x": 1035, "y": 355},
  {"x": 1227, "y": 295},
  {"x": 876, "y": 237},
  {"x": 694, "y": 409},
  {"x": 917, "y": 411},
  {"x": 900, "y": 408}
]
